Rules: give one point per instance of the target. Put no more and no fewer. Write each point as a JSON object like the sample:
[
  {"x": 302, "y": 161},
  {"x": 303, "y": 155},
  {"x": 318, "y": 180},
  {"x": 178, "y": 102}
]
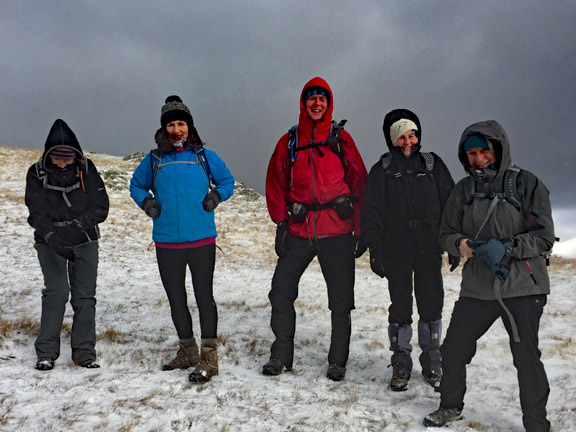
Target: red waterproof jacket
[{"x": 317, "y": 177}]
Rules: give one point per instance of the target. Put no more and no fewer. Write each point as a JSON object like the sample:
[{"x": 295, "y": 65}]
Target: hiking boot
[
  {"x": 88, "y": 364},
  {"x": 207, "y": 367},
  {"x": 274, "y": 367},
  {"x": 400, "y": 377},
  {"x": 44, "y": 364},
  {"x": 442, "y": 417},
  {"x": 335, "y": 372},
  {"x": 185, "y": 358},
  {"x": 433, "y": 379}
]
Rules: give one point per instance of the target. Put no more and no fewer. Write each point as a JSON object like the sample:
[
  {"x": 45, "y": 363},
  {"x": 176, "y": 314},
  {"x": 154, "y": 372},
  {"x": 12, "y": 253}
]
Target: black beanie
[{"x": 174, "y": 109}]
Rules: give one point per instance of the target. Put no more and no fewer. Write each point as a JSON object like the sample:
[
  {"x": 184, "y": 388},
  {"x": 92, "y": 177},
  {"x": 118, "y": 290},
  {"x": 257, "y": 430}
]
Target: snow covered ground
[{"x": 136, "y": 335}]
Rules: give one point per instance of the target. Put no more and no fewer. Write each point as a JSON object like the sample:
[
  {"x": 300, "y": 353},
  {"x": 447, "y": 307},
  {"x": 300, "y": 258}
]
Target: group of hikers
[{"x": 407, "y": 211}]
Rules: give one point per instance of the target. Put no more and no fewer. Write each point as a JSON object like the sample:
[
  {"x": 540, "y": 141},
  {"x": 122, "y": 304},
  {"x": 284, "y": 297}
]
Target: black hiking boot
[
  {"x": 335, "y": 372},
  {"x": 88, "y": 364},
  {"x": 442, "y": 417},
  {"x": 44, "y": 364},
  {"x": 433, "y": 379},
  {"x": 274, "y": 367},
  {"x": 400, "y": 377}
]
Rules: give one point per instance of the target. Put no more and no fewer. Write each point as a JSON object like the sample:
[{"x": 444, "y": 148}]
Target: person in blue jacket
[{"x": 179, "y": 185}]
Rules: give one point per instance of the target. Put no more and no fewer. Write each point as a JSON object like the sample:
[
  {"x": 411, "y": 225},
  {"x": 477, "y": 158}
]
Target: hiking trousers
[
  {"x": 172, "y": 265},
  {"x": 336, "y": 258},
  {"x": 63, "y": 279},
  {"x": 472, "y": 318}
]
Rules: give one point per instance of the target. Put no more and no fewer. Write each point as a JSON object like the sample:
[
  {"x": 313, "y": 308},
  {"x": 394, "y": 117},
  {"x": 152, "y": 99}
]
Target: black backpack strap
[
  {"x": 428, "y": 160},
  {"x": 155, "y": 159},
  {"x": 511, "y": 186}
]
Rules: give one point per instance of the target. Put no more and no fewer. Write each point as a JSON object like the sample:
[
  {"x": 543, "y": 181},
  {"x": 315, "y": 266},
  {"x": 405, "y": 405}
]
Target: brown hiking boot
[
  {"x": 185, "y": 358},
  {"x": 207, "y": 368}
]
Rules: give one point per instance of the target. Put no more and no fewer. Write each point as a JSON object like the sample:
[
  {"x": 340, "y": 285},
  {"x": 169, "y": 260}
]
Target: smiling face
[
  {"x": 177, "y": 131},
  {"x": 480, "y": 158},
  {"x": 316, "y": 106},
  {"x": 406, "y": 142}
]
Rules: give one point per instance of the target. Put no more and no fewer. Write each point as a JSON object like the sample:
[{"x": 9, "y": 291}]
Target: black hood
[
  {"x": 395, "y": 115},
  {"x": 61, "y": 135}
]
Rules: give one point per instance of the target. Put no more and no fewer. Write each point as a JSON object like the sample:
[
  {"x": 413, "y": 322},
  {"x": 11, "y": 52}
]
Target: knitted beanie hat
[
  {"x": 400, "y": 127},
  {"x": 174, "y": 109},
  {"x": 62, "y": 152},
  {"x": 477, "y": 140}
]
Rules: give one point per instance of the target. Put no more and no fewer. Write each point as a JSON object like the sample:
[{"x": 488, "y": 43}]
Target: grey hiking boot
[
  {"x": 207, "y": 367},
  {"x": 185, "y": 358},
  {"x": 44, "y": 364},
  {"x": 433, "y": 379},
  {"x": 335, "y": 372},
  {"x": 274, "y": 367},
  {"x": 442, "y": 417},
  {"x": 400, "y": 377}
]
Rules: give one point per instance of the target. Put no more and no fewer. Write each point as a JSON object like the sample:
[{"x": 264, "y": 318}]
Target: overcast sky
[{"x": 106, "y": 66}]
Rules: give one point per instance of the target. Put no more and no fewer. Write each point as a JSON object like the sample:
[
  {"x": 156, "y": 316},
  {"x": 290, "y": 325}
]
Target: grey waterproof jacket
[{"x": 531, "y": 228}]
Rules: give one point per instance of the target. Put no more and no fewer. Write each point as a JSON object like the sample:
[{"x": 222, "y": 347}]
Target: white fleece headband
[{"x": 400, "y": 127}]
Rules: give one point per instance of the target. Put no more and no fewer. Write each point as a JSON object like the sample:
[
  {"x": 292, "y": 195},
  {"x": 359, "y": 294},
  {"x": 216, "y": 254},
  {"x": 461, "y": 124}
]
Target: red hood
[{"x": 305, "y": 123}]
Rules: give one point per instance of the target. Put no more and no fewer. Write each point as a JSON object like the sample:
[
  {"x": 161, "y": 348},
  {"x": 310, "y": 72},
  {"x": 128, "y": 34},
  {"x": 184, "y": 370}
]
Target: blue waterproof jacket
[{"x": 181, "y": 185}]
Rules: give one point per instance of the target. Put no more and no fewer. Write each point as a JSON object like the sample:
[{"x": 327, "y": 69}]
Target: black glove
[
  {"x": 281, "y": 242},
  {"x": 211, "y": 201},
  {"x": 491, "y": 253},
  {"x": 377, "y": 263},
  {"x": 360, "y": 247},
  {"x": 454, "y": 261},
  {"x": 60, "y": 246},
  {"x": 151, "y": 207}
]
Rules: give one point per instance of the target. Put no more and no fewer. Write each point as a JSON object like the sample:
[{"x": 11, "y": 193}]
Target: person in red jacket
[{"x": 314, "y": 194}]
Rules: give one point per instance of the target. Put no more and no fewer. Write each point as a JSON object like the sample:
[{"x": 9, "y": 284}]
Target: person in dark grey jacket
[
  {"x": 405, "y": 193},
  {"x": 67, "y": 200},
  {"x": 506, "y": 241}
]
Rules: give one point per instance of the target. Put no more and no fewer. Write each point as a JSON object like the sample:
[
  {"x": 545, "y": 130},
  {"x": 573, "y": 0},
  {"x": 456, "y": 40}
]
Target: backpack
[
  {"x": 42, "y": 175},
  {"x": 510, "y": 193},
  {"x": 428, "y": 160},
  {"x": 156, "y": 163},
  {"x": 333, "y": 142}
]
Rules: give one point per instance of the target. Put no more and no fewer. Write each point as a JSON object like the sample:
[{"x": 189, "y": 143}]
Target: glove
[
  {"x": 211, "y": 201},
  {"x": 454, "y": 261},
  {"x": 281, "y": 242},
  {"x": 491, "y": 254},
  {"x": 377, "y": 263},
  {"x": 360, "y": 247},
  {"x": 151, "y": 207},
  {"x": 59, "y": 245}
]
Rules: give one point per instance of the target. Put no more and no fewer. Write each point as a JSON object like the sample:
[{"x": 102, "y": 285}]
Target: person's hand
[
  {"x": 491, "y": 253},
  {"x": 59, "y": 245},
  {"x": 465, "y": 249},
  {"x": 360, "y": 247},
  {"x": 151, "y": 207},
  {"x": 281, "y": 241},
  {"x": 377, "y": 263},
  {"x": 454, "y": 261},
  {"x": 211, "y": 201}
]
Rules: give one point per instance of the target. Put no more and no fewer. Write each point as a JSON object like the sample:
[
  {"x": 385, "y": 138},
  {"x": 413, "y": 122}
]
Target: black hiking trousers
[
  {"x": 471, "y": 318},
  {"x": 172, "y": 265},
  {"x": 336, "y": 258}
]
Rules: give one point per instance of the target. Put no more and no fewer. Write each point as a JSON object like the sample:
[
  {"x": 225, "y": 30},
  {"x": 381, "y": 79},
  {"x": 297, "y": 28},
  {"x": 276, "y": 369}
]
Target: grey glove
[{"x": 151, "y": 207}]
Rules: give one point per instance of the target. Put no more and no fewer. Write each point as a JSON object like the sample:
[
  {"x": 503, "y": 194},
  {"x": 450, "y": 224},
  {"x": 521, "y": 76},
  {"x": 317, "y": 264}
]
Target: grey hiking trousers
[{"x": 63, "y": 279}]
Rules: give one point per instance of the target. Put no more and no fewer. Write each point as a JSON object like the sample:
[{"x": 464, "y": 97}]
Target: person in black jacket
[
  {"x": 67, "y": 200},
  {"x": 405, "y": 193}
]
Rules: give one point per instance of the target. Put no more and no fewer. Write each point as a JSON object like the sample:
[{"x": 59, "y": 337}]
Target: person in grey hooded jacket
[{"x": 505, "y": 275}]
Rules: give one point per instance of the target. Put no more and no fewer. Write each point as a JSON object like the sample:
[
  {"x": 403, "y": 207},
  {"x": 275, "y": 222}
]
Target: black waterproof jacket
[
  {"x": 55, "y": 197},
  {"x": 403, "y": 201}
]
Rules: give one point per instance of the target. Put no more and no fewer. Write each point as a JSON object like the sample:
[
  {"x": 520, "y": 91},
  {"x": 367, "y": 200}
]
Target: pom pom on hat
[{"x": 174, "y": 109}]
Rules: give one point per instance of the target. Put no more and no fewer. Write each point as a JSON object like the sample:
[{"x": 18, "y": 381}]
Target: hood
[
  {"x": 395, "y": 115},
  {"x": 493, "y": 131},
  {"x": 61, "y": 135},
  {"x": 305, "y": 123}
]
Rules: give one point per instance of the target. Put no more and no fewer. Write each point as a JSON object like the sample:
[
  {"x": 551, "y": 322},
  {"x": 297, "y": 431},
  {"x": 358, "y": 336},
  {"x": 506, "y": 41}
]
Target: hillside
[{"x": 135, "y": 336}]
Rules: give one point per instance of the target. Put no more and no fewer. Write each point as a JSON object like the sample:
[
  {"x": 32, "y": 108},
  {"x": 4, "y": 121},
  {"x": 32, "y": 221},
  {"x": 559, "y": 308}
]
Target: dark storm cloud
[{"x": 106, "y": 67}]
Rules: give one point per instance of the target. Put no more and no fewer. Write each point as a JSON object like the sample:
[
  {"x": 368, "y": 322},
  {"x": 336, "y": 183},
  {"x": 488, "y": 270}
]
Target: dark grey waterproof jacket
[{"x": 531, "y": 227}]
